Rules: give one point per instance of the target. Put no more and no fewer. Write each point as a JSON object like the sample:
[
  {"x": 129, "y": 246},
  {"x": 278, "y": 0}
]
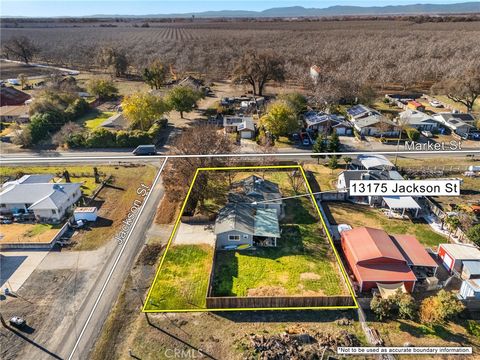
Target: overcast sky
[{"x": 39, "y": 8}]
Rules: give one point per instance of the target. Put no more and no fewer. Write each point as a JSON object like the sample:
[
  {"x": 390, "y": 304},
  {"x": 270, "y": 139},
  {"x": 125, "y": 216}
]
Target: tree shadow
[{"x": 436, "y": 330}]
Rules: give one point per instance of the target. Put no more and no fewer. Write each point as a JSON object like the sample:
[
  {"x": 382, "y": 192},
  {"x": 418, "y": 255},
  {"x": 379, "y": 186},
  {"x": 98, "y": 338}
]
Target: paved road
[{"x": 97, "y": 318}]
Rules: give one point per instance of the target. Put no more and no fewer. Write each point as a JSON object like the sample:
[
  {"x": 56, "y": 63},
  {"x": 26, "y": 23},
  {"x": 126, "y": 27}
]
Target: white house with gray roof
[
  {"x": 418, "y": 120},
  {"x": 251, "y": 216},
  {"x": 48, "y": 201}
]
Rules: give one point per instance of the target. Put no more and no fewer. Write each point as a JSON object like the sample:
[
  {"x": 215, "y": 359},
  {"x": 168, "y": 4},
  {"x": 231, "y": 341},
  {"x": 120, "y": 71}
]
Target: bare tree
[
  {"x": 257, "y": 68},
  {"x": 21, "y": 48},
  {"x": 464, "y": 89}
]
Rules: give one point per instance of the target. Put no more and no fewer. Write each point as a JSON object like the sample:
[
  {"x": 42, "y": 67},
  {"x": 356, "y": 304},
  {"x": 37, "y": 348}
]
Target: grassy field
[
  {"x": 302, "y": 264},
  {"x": 28, "y": 233},
  {"x": 325, "y": 176},
  {"x": 183, "y": 279},
  {"x": 362, "y": 215},
  {"x": 397, "y": 333}
]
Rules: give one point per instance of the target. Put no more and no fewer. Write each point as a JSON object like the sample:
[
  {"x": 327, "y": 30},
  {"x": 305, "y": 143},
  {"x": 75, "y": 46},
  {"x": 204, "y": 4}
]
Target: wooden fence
[{"x": 232, "y": 302}]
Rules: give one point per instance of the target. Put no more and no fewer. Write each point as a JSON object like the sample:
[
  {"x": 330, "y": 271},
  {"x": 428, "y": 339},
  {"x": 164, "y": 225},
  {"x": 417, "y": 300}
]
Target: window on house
[
  {"x": 54, "y": 211},
  {"x": 234, "y": 237},
  {"x": 3, "y": 205}
]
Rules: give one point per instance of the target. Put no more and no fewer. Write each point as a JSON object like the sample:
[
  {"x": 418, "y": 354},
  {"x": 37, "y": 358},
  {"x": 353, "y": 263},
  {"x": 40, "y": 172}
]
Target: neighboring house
[
  {"x": 14, "y": 113},
  {"x": 116, "y": 121},
  {"x": 372, "y": 162},
  {"x": 315, "y": 73},
  {"x": 244, "y": 125},
  {"x": 325, "y": 123},
  {"x": 369, "y": 122},
  {"x": 49, "y": 202},
  {"x": 255, "y": 189},
  {"x": 394, "y": 203},
  {"x": 418, "y": 120},
  {"x": 375, "y": 259},
  {"x": 454, "y": 255},
  {"x": 246, "y": 128},
  {"x": 458, "y": 123},
  {"x": 11, "y": 96},
  {"x": 240, "y": 225},
  {"x": 374, "y": 124},
  {"x": 445, "y": 117}
]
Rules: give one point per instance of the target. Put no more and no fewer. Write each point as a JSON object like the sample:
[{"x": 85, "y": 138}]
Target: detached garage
[{"x": 453, "y": 255}]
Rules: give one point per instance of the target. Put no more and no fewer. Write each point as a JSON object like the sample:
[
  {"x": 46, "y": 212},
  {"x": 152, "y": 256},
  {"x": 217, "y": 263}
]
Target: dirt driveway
[{"x": 195, "y": 234}]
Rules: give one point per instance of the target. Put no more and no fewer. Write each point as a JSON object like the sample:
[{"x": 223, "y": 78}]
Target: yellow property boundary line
[{"x": 177, "y": 223}]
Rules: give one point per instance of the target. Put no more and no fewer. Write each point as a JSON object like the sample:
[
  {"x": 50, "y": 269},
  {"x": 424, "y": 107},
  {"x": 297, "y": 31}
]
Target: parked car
[
  {"x": 145, "y": 150},
  {"x": 436, "y": 104},
  {"x": 18, "y": 322},
  {"x": 427, "y": 134}
]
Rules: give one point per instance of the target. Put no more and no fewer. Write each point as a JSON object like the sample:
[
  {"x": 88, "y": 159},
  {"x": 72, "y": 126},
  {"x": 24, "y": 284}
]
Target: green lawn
[
  {"x": 93, "y": 119},
  {"x": 303, "y": 263},
  {"x": 183, "y": 279},
  {"x": 39, "y": 229},
  {"x": 362, "y": 215}
]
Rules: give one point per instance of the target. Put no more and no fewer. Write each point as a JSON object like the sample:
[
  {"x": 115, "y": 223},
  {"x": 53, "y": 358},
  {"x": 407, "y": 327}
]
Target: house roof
[
  {"x": 246, "y": 124},
  {"x": 232, "y": 120},
  {"x": 115, "y": 121},
  {"x": 462, "y": 251},
  {"x": 14, "y": 110},
  {"x": 445, "y": 116},
  {"x": 414, "y": 117},
  {"x": 401, "y": 202},
  {"x": 367, "y": 244},
  {"x": 372, "y": 120},
  {"x": 39, "y": 195},
  {"x": 371, "y": 161},
  {"x": 360, "y": 110},
  {"x": 413, "y": 251},
  {"x": 234, "y": 216},
  {"x": 11, "y": 96},
  {"x": 266, "y": 223},
  {"x": 257, "y": 189},
  {"x": 247, "y": 219},
  {"x": 30, "y": 179},
  {"x": 472, "y": 266}
]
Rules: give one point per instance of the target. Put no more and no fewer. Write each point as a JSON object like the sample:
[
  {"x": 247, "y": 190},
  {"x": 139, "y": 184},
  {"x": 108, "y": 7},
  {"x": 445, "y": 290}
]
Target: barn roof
[
  {"x": 414, "y": 252},
  {"x": 367, "y": 243}
]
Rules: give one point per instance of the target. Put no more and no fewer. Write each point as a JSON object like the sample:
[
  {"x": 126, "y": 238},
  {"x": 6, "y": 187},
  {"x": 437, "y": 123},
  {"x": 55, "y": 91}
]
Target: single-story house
[
  {"x": 242, "y": 124},
  {"x": 14, "y": 113},
  {"x": 470, "y": 290},
  {"x": 373, "y": 124},
  {"x": 471, "y": 270},
  {"x": 11, "y": 96},
  {"x": 454, "y": 255},
  {"x": 49, "y": 202},
  {"x": 372, "y": 162},
  {"x": 445, "y": 117},
  {"x": 418, "y": 120},
  {"x": 246, "y": 128},
  {"x": 244, "y": 225},
  {"x": 375, "y": 259}
]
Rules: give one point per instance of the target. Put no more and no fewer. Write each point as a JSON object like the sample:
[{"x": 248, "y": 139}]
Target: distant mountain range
[{"x": 339, "y": 10}]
